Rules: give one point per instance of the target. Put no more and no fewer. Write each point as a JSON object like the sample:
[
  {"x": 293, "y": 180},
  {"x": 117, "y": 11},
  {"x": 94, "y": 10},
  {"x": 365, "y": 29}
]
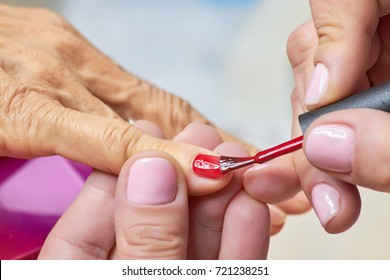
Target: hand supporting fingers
[
  {"x": 246, "y": 229},
  {"x": 79, "y": 234},
  {"x": 207, "y": 214},
  {"x": 151, "y": 214},
  {"x": 212, "y": 218}
]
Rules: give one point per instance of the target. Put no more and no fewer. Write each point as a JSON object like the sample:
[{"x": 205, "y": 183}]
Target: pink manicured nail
[
  {"x": 151, "y": 181},
  {"x": 326, "y": 202},
  {"x": 318, "y": 85},
  {"x": 331, "y": 147}
]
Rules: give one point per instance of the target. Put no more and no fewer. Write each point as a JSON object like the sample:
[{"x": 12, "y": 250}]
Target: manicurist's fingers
[
  {"x": 207, "y": 213},
  {"x": 336, "y": 203},
  {"x": 86, "y": 230},
  {"x": 272, "y": 182},
  {"x": 346, "y": 31},
  {"x": 352, "y": 145},
  {"x": 151, "y": 216},
  {"x": 246, "y": 229}
]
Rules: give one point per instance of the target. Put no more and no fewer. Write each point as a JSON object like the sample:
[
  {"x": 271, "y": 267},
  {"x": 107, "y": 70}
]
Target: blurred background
[{"x": 228, "y": 59}]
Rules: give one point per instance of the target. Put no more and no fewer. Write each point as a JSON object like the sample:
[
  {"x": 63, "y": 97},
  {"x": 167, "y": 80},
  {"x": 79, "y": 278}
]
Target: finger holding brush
[{"x": 331, "y": 147}]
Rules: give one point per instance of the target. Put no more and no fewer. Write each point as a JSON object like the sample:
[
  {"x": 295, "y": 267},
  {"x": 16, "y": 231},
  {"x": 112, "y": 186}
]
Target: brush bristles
[{"x": 232, "y": 163}]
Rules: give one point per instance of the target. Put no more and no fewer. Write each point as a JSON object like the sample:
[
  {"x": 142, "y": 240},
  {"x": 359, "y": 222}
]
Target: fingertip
[
  {"x": 199, "y": 134},
  {"x": 208, "y": 166},
  {"x": 203, "y": 184},
  {"x": 199, "y": 139},
  {"x": 151, "y": 216},
  {"x": 151, "y": 177},
  {"x": 337, "y": 207},
  {"x": 102, "y": 180},
  {"x": 150, "y": 128},
  {"x": 152, "y": 181},
  {"x": 272, "y": 182}
]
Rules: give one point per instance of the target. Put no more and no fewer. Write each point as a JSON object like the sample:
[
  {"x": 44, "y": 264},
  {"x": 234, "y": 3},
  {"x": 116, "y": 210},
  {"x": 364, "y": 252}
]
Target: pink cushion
[{"x": 33, "y": 195}]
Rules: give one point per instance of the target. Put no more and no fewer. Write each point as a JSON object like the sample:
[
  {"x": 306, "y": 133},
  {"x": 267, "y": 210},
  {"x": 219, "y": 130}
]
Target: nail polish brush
[{"x": 210, "y": 166}]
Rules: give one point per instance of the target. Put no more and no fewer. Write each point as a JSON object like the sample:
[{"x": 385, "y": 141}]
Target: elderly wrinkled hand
[{"x": 60, "y": 95}]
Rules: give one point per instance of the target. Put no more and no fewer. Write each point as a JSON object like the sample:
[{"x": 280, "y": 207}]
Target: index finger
[{"x": 100, "y": 142}]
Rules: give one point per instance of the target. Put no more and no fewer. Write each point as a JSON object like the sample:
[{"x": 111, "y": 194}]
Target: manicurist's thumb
[{"x": 151, "y": 215}]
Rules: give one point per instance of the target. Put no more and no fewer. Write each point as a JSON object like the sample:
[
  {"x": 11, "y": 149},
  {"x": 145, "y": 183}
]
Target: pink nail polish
[
  {"x": 318, "y": 85},
  {"x": 151, "y": 181},
  {"x": 331, "y": 147},
  {"x": 326, "y": 202}
]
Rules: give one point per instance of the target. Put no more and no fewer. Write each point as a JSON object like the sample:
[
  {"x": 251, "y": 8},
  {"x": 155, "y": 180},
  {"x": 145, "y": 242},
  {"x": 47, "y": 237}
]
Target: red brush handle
[{"x": 279, "y": 150}]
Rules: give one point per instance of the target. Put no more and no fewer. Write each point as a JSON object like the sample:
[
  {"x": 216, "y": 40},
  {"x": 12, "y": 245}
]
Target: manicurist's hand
[
  {"x": 146, "y": 212},
  {"x": 344, "y": 49}
]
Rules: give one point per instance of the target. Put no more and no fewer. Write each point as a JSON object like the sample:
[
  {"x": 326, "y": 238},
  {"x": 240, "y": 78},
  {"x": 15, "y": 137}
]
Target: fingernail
[
  {"x": 326, "y": 202},
  {"x": 318, "y": 85},
  {"x": 151, "y": 181},
  {"x": 331, "y": 147}
]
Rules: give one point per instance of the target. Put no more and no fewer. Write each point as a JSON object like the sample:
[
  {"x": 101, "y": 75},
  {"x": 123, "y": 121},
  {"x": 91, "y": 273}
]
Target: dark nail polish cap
[{"x": 377, "y": 97}]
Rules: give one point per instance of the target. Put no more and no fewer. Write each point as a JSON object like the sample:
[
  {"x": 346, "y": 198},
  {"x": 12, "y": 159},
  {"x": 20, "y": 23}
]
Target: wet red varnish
[{"x": 207, "y": 166}]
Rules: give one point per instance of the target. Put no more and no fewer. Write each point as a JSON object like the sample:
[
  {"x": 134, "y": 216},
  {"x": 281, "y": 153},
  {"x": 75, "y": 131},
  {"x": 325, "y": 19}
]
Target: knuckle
[
  {"x": 300, "y": 43},
  {"x": 329, "y": 33},
  {"x": 121, "y": 139},
  {"x": 15, "y": 105},
  {"x": 31, "y": 66},
  {"x": 22, "y": 100},
  {"x": 72, "y": 49},
  {"x": 152, "y": 240},
  {"x": 24, "y": 113},
  {"x": 210, "y": 218}
]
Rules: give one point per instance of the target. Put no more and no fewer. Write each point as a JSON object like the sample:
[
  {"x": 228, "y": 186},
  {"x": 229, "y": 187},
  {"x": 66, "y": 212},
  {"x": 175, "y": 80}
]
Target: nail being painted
[{"x": 207, "y": 166}]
